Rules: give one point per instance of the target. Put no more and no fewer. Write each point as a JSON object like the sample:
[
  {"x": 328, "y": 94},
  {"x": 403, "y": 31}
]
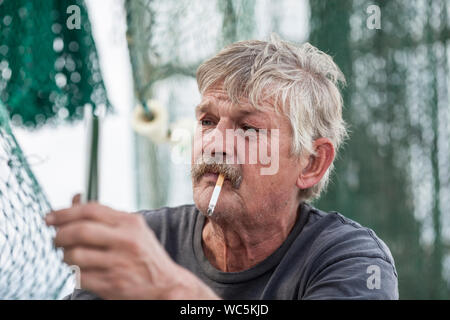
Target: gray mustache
[{"x": 233, "y": 174}]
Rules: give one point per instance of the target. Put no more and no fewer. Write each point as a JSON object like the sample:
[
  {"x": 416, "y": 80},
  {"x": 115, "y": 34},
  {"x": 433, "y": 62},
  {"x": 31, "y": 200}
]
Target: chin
[
  {"x": 226, "y": 206},
  {"x": 223, "y": 212},
  {"x": 201, "y": 205}
]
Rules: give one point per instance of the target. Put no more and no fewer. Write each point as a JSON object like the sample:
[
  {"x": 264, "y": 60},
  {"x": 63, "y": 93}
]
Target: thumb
[{"x": 76, "y": 199}]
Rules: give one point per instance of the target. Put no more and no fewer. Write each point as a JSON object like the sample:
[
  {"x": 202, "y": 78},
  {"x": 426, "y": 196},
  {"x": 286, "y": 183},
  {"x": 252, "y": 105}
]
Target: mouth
[{"x": 210, "y": 176}]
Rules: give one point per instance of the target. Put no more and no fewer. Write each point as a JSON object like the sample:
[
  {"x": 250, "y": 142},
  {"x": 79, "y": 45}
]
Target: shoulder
[
  {"x": 343, "y": 237},
  {"x": 172, "y": 226},
  {"x": 169, "y": 213},
  {"x": 342, "y": 256},
  {"x": 172, "y": 219}
]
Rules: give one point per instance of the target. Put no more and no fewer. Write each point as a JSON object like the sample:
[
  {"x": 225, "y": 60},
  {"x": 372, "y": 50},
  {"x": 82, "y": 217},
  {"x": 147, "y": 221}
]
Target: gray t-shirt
[{"x": 325, "y": 256}]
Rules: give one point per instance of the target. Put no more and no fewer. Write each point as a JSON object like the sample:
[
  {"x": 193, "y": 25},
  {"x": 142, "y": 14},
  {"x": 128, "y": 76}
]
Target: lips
[
  {"x": 210, "y": 172},
  {"x": 211, "y": 175}
]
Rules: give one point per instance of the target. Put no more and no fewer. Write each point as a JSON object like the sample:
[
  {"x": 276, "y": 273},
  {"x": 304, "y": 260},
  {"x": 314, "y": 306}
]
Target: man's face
[{"x": 236, "y": 135}]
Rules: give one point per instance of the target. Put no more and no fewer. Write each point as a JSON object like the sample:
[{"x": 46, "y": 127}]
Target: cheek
[
  {"x": 271, "y": 187},
  {"x": 244, "y": 151},
  {"x": 197, "y": 146},
  {"x": 202, "y": 192},
  {"x": 248, "y": 150}
]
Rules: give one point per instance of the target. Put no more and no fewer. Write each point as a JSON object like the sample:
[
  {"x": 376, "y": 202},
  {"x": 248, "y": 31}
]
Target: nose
[{"x": 215, "y": 143}]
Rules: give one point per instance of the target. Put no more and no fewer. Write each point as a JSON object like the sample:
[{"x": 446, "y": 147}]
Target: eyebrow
[
  {"x": 205, "y": 106},
  {"x": 202, "y": 107}
]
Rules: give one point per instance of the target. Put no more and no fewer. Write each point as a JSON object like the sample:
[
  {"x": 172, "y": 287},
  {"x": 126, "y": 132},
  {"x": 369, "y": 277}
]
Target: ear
[{"x": 316, "y": 165}]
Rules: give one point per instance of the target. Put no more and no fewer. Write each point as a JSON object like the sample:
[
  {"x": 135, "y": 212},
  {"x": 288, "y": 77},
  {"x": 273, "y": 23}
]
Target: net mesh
[
  {"x": 48, "y": 71},
  {"x": 30, "y": 267}
]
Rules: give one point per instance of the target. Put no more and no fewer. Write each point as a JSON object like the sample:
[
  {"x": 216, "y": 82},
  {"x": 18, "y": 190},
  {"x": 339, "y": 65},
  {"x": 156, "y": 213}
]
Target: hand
[{"x": 119, "y": 256}]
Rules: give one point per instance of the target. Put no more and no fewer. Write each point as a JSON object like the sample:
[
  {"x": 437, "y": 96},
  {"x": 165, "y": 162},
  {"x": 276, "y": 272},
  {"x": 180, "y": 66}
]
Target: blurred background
[{"x": 393, "y": 175}]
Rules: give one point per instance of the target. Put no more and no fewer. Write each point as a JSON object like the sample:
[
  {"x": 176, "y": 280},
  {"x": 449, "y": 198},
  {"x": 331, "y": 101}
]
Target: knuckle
[
  {"x": 82, "y": 232},
  {"x": 133, "y": 219},
  {"x": 118, "y": 284},
  {"x": 89, "y": 210},
  {"x": 130, "y": 244},
  {"x": 63, "y": 236},
  {"x": 139, "y": 221},
  {"x": 133, "y": 246}
]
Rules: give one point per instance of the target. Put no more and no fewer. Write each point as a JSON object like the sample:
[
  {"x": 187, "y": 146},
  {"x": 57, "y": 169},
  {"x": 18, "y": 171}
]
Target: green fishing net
[
  {"x": 49, "y": 73},
  {"x": 49, "y": 68},
  {"x": 30, "y": 267}
]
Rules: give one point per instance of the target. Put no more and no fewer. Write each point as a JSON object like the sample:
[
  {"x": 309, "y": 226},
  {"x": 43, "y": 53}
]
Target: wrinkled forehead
[{"x": 216, "y": 96}]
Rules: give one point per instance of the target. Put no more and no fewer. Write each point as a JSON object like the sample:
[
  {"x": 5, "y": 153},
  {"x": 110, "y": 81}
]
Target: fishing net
[
  {"x": 30, "y": 267},
  {"x": 49, "y": 69},
  {"x": 49, "y": 73}
]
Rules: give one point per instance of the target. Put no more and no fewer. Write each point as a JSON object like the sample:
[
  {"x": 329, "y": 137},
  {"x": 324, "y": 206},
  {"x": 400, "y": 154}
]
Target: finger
[
  {"x": 96, "y": 281},
  {"x": 85, "y": 233},
  {"x": 89, "y": 211},
  {"x": 76, "y": 199},
  {"x": 107, "y": 284},
  {"x": 88, "y": 257}
]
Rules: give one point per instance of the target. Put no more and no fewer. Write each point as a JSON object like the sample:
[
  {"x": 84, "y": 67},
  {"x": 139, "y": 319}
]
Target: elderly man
[{"x": 263, "y": 240}]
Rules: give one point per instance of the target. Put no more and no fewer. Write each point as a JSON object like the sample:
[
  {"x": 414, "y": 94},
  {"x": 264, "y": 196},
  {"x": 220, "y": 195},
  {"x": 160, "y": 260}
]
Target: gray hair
[{"x": 302, "y": 80}]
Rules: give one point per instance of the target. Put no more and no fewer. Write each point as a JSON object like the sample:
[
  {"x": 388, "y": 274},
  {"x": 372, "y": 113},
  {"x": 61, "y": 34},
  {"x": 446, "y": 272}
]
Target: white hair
[{"x": 302, "y": 81}]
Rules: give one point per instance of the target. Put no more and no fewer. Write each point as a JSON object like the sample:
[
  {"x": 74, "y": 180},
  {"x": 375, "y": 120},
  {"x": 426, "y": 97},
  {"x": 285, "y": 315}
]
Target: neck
[{"x": 235, "y": 246}]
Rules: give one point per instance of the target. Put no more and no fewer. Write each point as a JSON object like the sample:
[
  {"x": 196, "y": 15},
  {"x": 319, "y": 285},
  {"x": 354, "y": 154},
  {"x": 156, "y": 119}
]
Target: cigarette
[{"x": 215, "y": 195}]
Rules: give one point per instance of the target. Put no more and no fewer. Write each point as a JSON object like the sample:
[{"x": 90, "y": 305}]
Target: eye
[
  {"x": 206, "y": 123},
  {"x": 246, "y": 128}
]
